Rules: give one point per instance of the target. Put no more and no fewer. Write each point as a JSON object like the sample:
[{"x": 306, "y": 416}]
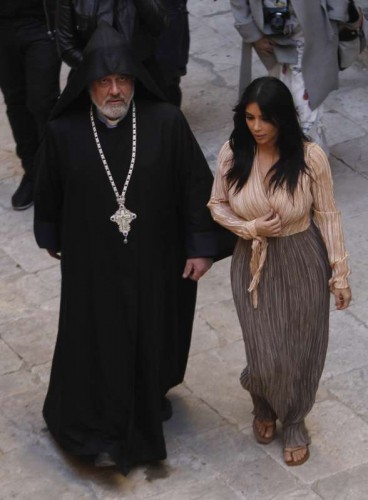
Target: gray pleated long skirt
[{"x": 286, "y": 336}]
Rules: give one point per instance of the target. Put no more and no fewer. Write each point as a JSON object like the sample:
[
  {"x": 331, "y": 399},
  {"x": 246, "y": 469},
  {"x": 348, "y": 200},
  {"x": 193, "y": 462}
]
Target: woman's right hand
[{"x": 268, "y": 225}]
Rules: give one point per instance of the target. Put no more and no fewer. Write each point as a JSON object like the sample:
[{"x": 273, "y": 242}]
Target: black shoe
[
  {"x": 166, "y": 409},
  {"x": 23, "y": 196}
]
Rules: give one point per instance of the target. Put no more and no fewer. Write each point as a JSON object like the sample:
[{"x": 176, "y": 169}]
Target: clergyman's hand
[
  {"x": 53, "y": 254},
  {"x": 195, "y": 268}
]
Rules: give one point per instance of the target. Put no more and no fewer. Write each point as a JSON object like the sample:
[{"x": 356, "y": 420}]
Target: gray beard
[{"x": 114, "y": 112}]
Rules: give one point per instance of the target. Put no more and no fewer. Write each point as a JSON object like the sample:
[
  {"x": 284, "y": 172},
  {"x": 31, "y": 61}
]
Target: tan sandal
[
  {"x": 301, "y": 461},
  {"x": 269, "y": 425}
]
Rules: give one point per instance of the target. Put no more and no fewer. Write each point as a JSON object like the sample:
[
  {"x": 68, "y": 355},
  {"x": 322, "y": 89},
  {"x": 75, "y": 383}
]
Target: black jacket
[
  {"x": 139, "y": 21},
  {"x": 39, "y": 9}
]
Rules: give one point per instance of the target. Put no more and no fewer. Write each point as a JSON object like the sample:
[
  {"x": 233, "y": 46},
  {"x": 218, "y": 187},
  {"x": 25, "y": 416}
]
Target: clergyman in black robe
[{"x": 126, "y": 312}]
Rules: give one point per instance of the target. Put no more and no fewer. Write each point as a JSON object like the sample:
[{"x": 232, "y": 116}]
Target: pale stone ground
[{"x": 212, "y": 454}]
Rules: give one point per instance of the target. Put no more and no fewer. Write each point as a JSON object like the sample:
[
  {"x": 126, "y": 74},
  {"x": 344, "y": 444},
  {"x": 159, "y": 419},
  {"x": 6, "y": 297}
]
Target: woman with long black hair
[{"x": 273, "y": 188}]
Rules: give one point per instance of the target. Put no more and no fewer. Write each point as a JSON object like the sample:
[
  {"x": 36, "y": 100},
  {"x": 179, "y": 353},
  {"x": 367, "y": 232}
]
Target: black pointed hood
[{"x": 105, "y": 54}]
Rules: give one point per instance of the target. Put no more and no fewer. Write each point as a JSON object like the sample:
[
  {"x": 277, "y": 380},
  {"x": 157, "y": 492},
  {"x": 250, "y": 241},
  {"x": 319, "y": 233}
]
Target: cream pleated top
[{"x": 313, "y": 197}]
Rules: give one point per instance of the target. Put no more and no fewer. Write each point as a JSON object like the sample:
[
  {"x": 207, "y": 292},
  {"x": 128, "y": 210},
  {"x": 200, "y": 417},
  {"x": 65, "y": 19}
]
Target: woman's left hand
[{"x": 342, "y": 297}]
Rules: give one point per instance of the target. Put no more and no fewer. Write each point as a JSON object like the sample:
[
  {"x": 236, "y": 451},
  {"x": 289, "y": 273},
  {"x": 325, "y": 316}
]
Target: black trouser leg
[
  {"x": 42, "y": 69},
  {"x": 173, "y": 49},
  {"x": 29, "y": 79},
  {"x": 13, "y": 86}
]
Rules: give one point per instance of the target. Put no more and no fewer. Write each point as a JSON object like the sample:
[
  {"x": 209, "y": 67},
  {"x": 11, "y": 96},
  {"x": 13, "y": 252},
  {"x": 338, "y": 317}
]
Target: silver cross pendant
[{"x": 123, "y": 218}]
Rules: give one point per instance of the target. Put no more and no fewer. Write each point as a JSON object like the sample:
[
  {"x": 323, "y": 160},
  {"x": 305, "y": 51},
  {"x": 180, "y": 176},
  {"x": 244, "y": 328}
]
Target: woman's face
[{"x": 264, "y": 132}]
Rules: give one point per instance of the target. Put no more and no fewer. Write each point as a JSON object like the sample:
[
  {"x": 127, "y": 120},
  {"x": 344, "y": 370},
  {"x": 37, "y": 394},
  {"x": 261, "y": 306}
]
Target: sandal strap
[
  {"x": 266, "y": 423},
  {"x": 298, "y": 448}
]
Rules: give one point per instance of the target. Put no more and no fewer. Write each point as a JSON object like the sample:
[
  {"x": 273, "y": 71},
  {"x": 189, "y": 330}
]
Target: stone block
[
  {"x": 213, "y": 376},
  {"x": 213, "y": 143},
  {"x": 24, "y": 409},
  {"x": 223, "y": 23},
  {"x": 300, "y": 493},
  {"x": 262, "y": 479},
  {"x": 210, "y": 490},
  {"x": 339, "y": 167},
  {"x": 24, "y": 291},
  {"x": 349, "y": 192},
  {"x": 24, "y": 250},
  {"x": 339, "y": 128},
  {"x": 9, "y": 360},
  {"x": 191, "y": 416},
  {"x": 359, "y": 311},
  {"x": 7, "y": 265},
  {"x": 348, "y": 102},
  {"x": 181, "y": 471},
  {"x": 199, "y": 70},
  {"x": 8, "y": 162},
  {"x": 12, "y": 222},
  {"x": 42, "y": 372},
  {"x": 7, "y": 188},
  {"x": 354, "y": 153},
  {"x": 348, "y": 485},
  {"x": 351, "y": 389},
  {"x": 222, "y": 318},
  {"x": 219, "y": 61},
  {"x": 32, "y": 338},
  {"x": 206, "y": 42},
  {"x": 345, "y": 331},
  {"x": 13, "y": 311},
  {"x": 215, "y": 286},
  {"x": 203, "y": 110},
  {"x": 30, "y": 473},
  {"x": 226, "y": 448},
  {"x": 15, "y": 383},
  {"x": 205, "y": 337},
  {"x": 333, "y": 428},
  {"x": 22, "y": 423},
  {"x": 12, "y": 437},
  {"x": 6, "y": 139},
  {"x": 52, "y": 305},
  {"x": 230, "y": 77}
]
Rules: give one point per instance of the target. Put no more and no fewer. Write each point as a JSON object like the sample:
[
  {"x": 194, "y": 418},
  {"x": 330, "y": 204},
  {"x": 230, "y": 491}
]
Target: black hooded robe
[{"x": 126, "y": 312}]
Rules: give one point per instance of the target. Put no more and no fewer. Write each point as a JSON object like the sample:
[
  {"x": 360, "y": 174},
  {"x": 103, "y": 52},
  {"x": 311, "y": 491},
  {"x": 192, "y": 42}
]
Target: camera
[{"x": 276, "y": 17}]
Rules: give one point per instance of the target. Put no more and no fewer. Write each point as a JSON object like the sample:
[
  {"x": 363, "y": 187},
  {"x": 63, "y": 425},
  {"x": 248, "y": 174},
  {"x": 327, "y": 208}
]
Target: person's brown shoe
[
  {"x": 269, "y": 430},
  {"x": 296, "y": 456}
]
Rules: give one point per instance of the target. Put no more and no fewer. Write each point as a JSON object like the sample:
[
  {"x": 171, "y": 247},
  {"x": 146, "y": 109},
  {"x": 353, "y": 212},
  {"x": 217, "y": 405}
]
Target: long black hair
[{"x": 276, "y": 104}]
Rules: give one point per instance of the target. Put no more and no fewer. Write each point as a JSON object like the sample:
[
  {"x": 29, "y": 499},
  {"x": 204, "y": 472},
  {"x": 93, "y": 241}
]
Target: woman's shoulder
[
  {"x": 315, "y": 157},
  {"x": 313, "y": 151},
  {"x": 226, "y": 153},
  {"x": 225, "y": 157}
]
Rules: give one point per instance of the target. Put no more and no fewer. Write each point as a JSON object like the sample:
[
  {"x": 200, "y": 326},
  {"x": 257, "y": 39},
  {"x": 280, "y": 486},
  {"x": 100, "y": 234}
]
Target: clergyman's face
[{"x": 112, "y": 95}]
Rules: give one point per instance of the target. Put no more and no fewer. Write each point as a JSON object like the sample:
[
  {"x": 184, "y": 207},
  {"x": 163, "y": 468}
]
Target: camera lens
[{"x": 277, "y": 22}]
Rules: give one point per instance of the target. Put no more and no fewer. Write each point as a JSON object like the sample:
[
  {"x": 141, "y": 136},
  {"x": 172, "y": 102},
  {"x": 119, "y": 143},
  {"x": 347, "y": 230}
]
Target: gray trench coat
[{"x": 319, "y": 22}]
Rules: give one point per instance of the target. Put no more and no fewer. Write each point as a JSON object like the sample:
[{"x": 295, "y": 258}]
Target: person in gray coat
[{"x": 297, "y": 41}]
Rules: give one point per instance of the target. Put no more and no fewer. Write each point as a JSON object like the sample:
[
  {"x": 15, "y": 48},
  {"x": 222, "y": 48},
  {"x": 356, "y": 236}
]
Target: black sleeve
[
  {"x": 204, "y": 237},
  {"x": 48, "y": 196},
  {"x": 66, "y": 35},
  {"x": 153, "y": 14}
]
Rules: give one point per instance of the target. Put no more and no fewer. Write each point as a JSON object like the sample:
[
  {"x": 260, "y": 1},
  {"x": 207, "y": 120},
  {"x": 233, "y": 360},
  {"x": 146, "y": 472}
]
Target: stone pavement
[{"x": 212, "y": 454}]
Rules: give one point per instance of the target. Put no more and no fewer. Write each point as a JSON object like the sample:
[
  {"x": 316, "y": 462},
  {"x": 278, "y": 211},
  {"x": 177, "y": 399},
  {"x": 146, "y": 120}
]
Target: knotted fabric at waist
[{"x": 259, "y": 254}]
